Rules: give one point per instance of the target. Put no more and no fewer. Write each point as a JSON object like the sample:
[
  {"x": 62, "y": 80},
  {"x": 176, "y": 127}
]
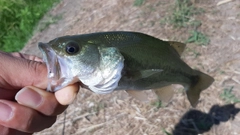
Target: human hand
[{"x": 25, "y": 105}]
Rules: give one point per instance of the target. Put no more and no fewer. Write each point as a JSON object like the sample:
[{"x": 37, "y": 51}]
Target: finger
[
  {"x": 18, "y": 72},
  {"x": 9, "y": 131},
  {"x": 40, "y": 100},
  {"x": 66, "y": 95},
  {"x": 16, "y": 116},
  {"x": 26, "y": 56}
]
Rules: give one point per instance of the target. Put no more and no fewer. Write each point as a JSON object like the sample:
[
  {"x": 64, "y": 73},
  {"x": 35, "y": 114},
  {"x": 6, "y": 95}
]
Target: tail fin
[{"x": 202, "y": 82}]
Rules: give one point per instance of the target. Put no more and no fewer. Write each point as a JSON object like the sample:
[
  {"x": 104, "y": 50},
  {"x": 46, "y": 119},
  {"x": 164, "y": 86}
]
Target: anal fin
[
  {"x": 164, "y": 94},
  {"x": 137, "y": 94}
]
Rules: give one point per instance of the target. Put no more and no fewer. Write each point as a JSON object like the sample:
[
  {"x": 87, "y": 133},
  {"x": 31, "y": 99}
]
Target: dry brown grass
[{"x": 118, "y": 114}]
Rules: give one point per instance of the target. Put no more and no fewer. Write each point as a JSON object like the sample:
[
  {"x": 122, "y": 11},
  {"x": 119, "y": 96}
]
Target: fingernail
[
  {"x": 5, "y": 112},
  {"x": 29, "y": 97}
]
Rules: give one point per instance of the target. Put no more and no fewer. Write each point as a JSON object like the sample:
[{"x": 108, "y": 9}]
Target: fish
[{"x": 122, "y": 60}]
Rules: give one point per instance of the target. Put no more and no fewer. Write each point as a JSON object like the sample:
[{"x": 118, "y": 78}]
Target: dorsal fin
[{"x": 178, "y": 46}]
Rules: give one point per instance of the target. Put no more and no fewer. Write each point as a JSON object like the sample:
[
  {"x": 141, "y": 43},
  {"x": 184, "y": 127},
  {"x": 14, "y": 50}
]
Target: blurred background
[{"x": 210, "y": 28}]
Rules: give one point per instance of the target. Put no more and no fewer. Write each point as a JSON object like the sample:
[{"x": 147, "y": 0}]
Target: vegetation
[
  {"x": 228, "y": 96},
  {"x": 138, "y": 2},
  {"x": 198, "y": 38},
  {"x": 166, "y": 132},
  {"x": 183, "y": 12},
  {"x": 18, "y": 19},
  {"x": 158, "y": 104},
  {"x": 183, "y": 16}
]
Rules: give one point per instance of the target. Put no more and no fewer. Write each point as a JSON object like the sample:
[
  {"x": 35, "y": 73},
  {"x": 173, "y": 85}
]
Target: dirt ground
[{"x": 119, "y": 114}]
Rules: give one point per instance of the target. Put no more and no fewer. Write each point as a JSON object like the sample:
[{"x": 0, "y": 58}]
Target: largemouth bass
[{"x": 131, "y": 61}]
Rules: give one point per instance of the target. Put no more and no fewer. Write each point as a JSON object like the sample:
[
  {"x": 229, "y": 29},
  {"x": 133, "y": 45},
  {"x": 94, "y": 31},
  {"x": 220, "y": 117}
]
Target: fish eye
[{"x": 72, "y": 48}]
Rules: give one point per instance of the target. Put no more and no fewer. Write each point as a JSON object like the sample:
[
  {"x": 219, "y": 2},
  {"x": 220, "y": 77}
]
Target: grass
[
  {"x": 138, "y": 2},
  {"x": 18, "y": 20},
  {"x": 166, "y": 132},
  {"x": 183, "y": 16},
  {"x": 183, "y": 12},
  {"x": 198, "y": 38},
  {"x": 158, "y": 104},
  {"x": 228, "y": 96}
]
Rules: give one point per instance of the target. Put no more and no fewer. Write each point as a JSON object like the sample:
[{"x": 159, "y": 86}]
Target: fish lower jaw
[{"x": 55, "y": 85}]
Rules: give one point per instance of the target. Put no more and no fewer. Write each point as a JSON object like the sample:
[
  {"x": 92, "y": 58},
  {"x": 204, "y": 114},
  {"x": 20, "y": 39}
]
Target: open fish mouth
[{"x": 50, "y": 57}]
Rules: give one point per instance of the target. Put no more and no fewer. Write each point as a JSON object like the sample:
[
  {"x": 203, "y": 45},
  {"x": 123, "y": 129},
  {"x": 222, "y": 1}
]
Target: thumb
[
  {"x": 66, "y": 95},
  {"x": 17, "y": 72}
]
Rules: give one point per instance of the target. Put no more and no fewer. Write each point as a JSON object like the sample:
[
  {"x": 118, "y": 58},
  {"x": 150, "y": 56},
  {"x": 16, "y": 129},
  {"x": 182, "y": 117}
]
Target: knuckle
[
  {"x": 38, "y": 70},
  {"x": 52, "y": 107},
  {"x": 28, "y": 125}
]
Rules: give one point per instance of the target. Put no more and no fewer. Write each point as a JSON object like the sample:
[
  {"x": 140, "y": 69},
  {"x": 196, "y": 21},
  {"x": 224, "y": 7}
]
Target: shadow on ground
[{"x": 195, "y": 122}]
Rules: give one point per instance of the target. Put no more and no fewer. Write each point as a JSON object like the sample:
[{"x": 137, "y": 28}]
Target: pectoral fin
[
  {"x": 145, "y": 73},
  {"x": 165, "y": 94},
  {"x": 178, "y": 46},
  {"x": 139, "y": 95}
]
